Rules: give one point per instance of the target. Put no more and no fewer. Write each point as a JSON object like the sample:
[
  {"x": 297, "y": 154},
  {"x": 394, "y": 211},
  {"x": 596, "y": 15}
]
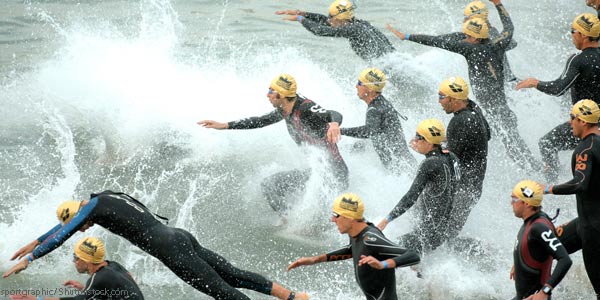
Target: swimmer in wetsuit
[
  {"x": 374, "y": 256},
  {"x": 366, "y": 41},
  {"x": 467, "y": 137},
  {"x": 485, "y": 60},
  {"x": 537, "y": 246},
  {"x": 433, "y": 190},
  {"x": 478, "y": 9},
  {"x": 582, "y": 77},
  {"x": 382, "y": 124},
  {"x": 308, "y": 124},
  {"x": 176, "y": 248},
  {"x": 108, "y": 279},
  {"x": 585, "y": 166}
]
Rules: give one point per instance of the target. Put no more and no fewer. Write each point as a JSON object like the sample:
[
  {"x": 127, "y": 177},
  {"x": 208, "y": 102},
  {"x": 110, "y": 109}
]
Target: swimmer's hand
[
  {"x": 22, "y": 265},
  {"x": 212, "y": 124}
]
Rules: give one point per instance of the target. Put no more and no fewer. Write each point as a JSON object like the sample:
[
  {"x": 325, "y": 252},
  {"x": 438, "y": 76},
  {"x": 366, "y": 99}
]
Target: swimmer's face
[
  {"x": 446, "y": 103},
  {"x": 419, "y": 144},
  {"x": 275, "y": 99},
  {"x": 80, "y": 265},
  {"x": 343, "y": 224},
  {"x": 577, "y": 38},
  {"x": 517, "y": 205},
  {"x": 361, "y": 90},
  {"x": 577, "y": 126}
]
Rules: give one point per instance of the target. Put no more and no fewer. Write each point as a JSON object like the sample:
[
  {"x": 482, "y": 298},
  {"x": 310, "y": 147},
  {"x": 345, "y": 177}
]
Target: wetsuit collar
[
  {"x": 99, "y": 267},
  {"x": 470, "y": 106},
  {"x": 362, "y": 231},
  {"x": 435, "y": 152},
  {"x": 535, "y": 216},
  {"x": 591, "y": 133},
  {"x": 297, "y": 103},
  {"x": 378, "y": 98}
]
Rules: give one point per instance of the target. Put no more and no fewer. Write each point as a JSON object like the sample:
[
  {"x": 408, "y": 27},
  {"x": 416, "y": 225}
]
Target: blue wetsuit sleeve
[
  {"x": 49, "y": 233},
  {"x": 57, "y": 238}
]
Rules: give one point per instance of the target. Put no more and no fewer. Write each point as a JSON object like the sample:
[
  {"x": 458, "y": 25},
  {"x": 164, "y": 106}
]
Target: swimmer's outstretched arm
[
  {"x": 212, "y": 124},
  {"x": 305, "y": 261}
]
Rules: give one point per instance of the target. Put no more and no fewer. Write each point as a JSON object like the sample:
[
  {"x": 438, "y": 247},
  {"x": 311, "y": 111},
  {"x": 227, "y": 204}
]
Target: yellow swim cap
[
  {"x": 432, "y": 130},
  {"x": 373, "y": 78},
  {"x": 587, "y": 24},
  {"x": 455, "y": 87},
  {"x": 587, "y": 111},
  {"x": 476, "y": 28},
  {"x": 529, "y": 192},
  {"x": 476, "y": 9},
  {"x": 90, "y": 249},
  {"x": 284, "y": 85},
  {"x": 341, "y": 10},
  {"x": 349, "y": 205},
  {"x": 67, "y": 210}
]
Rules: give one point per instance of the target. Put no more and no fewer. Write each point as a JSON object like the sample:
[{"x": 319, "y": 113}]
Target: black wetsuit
[
  {"x": 468, "y": 134},
  {"x": 435, "y": 186},
  {"x": 366, "y": 41},
  {"x": 306, "y": 124},
  {"x": 383, "y": 126},
  {"x": 494, "y": 34},
  {"x": 536, "y": 245},
  {"x": 582, "y": 76},
  {"x": 375, "y": 284},
  {"x": 486, "y": 73},
  {"x": 111, "y": 282},
  {"x": 585, "y": 164},
  {"x": 122, "y": 215}
]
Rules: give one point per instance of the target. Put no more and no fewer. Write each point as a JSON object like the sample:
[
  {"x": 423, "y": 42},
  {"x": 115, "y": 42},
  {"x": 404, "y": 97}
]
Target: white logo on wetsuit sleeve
[
  {"x": 552, "y": 242},
  {"x": 316, "y": 108}
]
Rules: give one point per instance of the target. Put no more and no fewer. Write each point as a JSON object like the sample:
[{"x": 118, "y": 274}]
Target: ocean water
[{"x": 106, "y": 95}]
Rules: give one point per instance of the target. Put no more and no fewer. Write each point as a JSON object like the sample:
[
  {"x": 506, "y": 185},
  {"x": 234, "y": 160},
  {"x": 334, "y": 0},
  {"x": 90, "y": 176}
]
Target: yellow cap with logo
[
  {"x": 373, "y": 78},
  {"x": 529, "y": 192},
  {"x": 284, "y": 85},
  {"x": 587, "y": 111},
  {"x": 67, "y": 210},
  {"x": 350, "y": 206},
  {"x": 90, "y": 249},
  {"x": 432, "y": 130},
  {"x": 455, "y": 87},
  {"x": 341, "y": 10},
  {"x": 587, "y": 24},
  {"x": 477, "y": 28},
  {"x": 476, "y": 9}
]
